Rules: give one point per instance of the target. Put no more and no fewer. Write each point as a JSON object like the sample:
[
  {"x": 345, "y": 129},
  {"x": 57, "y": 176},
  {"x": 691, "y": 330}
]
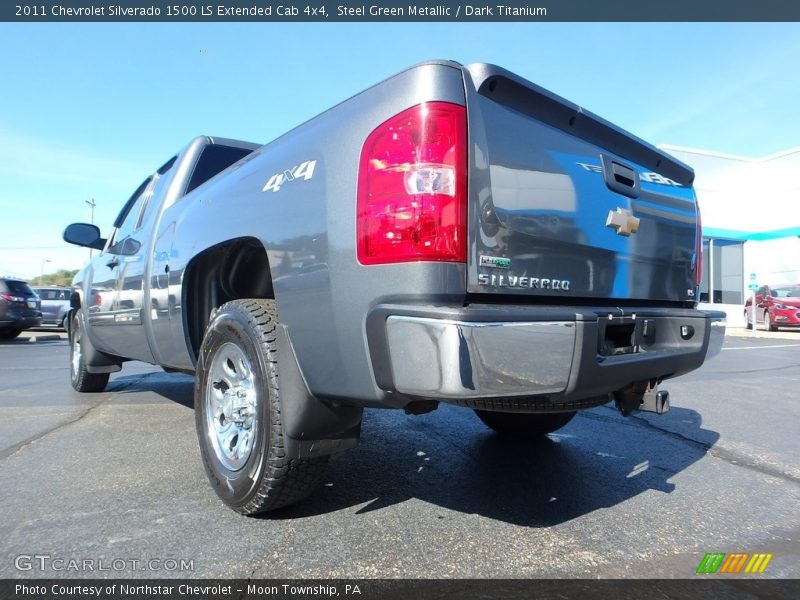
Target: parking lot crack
[
  {"x": 15, "y": 448},
  {"x": 12, "y": 450},
  {"x": 716, "y": 450}
]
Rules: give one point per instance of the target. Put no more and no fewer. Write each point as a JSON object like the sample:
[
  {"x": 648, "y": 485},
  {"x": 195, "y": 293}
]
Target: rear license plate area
[{"x": 617, "y": 336}]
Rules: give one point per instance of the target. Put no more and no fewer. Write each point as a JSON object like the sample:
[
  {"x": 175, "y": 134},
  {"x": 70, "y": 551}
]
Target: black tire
[
  {"x": 65, "y": 322},
  {"x": 240, "y": 344},
  {"x": 81, "y": 379},
  {"x": 524, "y": 425},
  {"x": 9, "y": 334}
]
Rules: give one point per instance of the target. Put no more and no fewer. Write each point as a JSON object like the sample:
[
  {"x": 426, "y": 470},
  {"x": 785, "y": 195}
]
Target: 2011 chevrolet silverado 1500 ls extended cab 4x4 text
[{"x": 453, "y": 234}]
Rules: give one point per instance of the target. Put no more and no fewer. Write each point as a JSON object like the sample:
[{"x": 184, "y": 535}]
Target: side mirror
[{"x": 84, "y": 234}]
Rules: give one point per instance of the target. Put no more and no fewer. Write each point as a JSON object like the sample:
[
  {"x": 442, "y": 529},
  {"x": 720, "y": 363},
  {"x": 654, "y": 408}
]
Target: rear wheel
[
  {"x": 81, "y": 379},
  {"x": 238, "y": 413},
  {"x": 9, "y": 334},
  {"x": 524, "y": 425}
]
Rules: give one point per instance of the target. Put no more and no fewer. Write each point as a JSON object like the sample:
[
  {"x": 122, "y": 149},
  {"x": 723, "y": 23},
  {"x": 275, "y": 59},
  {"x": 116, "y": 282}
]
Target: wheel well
[{"x": 229, "y": 271}]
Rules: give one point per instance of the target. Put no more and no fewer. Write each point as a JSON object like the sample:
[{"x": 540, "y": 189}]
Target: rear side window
[
  {"x": 213, "y": 160},
  {"x": 52, "y": 294},
  {"x": 18, "y": 287}
]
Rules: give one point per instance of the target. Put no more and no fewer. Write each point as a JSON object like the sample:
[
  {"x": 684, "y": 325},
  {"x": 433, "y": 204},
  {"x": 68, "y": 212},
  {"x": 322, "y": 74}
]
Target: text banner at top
[{"x": 399, "y": 11}]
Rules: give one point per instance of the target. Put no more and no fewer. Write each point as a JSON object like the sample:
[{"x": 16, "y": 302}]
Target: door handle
[{"x": 113, "y": 263}]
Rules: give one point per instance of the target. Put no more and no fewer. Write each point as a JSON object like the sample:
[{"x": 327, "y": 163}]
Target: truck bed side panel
[{"x": 307, "y": 226}]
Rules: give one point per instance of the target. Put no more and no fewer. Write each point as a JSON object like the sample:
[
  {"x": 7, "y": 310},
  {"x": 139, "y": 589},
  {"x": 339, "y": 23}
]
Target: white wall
[{"x": 775, "y": 262}]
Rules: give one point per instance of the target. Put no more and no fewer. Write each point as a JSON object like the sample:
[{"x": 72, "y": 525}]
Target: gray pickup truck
[{"x": 452, "y": 234}]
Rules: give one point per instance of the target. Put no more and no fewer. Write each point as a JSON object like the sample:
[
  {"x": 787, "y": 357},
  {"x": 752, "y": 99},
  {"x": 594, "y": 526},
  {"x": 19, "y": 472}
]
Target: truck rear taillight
[
  {"x": 412, "y": 187},
  {"x": 698, "y": 249}
]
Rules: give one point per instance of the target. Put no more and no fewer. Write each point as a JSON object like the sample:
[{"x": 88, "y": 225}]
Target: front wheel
[
  {"x": 524, "y": 425},
  {"x": 81, "y": 379},
  {"x": 768, "y": 326},
  {"x": 238, "y": 413}
]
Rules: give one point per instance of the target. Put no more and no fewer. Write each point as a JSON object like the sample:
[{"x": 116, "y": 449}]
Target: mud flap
[{"x": 312, "y": 427}]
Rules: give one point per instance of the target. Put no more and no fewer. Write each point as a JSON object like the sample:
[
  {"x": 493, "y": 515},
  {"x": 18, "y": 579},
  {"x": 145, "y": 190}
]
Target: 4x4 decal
[{"x": 304, "y": 170}]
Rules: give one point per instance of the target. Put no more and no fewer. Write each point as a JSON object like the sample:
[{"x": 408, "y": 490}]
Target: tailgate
[{"x": 564, "y": 204}]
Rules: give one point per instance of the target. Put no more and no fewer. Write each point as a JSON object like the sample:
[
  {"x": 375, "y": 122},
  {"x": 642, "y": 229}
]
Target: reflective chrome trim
[
  {"x": 716, "y": 336},
  {"x": 231, "y": 406},
  {"x": 439, "y": 358}
]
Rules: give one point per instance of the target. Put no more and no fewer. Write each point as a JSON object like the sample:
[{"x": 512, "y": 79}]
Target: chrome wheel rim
[
  {"x": 231, "y": 406},
  {"x": 76, "y": 350}
]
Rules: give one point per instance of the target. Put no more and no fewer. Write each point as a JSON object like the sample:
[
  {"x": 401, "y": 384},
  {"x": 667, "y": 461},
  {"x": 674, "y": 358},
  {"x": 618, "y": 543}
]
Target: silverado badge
[{"x": 623, "y": 221}]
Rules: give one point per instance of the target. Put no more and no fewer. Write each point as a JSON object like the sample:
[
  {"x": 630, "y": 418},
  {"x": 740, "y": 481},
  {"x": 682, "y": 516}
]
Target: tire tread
[
  {"x": 86, "y": 382},
  {"x": 286, "y": 480}
]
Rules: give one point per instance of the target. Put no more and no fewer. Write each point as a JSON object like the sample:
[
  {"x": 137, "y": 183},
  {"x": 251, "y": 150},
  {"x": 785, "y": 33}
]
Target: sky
[{"x": 87, "y": 111}]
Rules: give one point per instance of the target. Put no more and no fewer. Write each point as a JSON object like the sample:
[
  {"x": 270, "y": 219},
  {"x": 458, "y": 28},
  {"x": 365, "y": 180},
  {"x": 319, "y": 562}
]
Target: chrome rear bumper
[{"x": 457, "y": 358}]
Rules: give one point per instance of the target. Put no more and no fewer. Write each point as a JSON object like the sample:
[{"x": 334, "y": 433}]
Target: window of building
[{"x": 723, "y": 271}]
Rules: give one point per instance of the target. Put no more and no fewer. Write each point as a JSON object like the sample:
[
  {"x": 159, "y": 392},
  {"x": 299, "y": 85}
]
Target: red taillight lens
[
  {"x": 412, "y": 187},
  {"x": 10, "y": 298},
  {"x": 97, "y": 300},
  {"x": 698, "y": 248}
]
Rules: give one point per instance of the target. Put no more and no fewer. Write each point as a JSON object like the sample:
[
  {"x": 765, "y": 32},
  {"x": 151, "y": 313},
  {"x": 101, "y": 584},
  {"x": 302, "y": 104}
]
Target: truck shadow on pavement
[
  {"x": 449, "y": 459},
  {"x": 176, "y": 387}
]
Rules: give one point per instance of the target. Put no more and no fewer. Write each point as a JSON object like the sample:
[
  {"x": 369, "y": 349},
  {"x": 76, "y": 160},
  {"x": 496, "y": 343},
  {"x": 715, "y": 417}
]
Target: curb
[
  {"x": 43, "y": 338},
  {"x": 741, "y": 332}
]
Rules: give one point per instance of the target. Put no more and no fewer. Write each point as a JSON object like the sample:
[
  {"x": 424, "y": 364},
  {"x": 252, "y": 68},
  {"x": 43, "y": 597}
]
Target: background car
[
  {"x": 55, "y": 305},
  {"x": 776, "y": 307},
  {"x": 20, "y": 308}
]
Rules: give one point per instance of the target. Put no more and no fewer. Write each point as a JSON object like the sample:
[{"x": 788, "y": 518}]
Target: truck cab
[{"x": 125, "y": 286}]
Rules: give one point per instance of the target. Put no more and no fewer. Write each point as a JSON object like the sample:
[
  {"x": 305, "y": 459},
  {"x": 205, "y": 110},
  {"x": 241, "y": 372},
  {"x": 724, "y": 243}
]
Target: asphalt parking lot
[{"x": 116, "y": 476}]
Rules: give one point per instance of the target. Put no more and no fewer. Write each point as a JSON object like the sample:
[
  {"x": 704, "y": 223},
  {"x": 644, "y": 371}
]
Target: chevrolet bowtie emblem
[{"x": 623, "y": 221}]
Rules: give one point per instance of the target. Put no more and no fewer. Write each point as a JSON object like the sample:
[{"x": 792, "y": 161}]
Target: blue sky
[{"x": 89, "y": 110}]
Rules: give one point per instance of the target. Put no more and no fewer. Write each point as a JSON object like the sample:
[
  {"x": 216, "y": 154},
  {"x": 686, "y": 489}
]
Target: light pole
[
  {"x": 92, "y": 204},
  {"x": 41, "y": 275}
]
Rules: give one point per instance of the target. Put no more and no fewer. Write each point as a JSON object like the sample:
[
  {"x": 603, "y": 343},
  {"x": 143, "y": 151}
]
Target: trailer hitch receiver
[{"x": 644, "y": 396}]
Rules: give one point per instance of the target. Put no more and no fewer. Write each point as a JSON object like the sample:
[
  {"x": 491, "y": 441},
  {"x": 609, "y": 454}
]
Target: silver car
[{"x": 55, "y": 305}]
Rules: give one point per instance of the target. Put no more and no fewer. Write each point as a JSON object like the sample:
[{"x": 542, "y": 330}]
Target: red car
[{"x": 775, "y": 307}]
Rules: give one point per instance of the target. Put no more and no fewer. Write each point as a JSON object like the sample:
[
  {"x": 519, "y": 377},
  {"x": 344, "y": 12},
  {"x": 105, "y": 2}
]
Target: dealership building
[{"x": 751, "y": 224}]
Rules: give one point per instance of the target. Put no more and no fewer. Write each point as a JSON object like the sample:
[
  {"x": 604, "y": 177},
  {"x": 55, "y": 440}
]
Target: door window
[{"x": 129, "y": 215}]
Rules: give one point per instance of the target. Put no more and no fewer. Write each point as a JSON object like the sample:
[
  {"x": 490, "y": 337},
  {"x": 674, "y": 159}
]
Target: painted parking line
[{"x": 763, "y": 347}]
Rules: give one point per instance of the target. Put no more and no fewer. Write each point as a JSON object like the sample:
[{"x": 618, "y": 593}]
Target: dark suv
[{"x": 20, "y": 308}]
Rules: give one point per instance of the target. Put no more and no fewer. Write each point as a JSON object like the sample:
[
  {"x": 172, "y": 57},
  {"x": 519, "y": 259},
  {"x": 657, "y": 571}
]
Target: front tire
[
  {"x": 81, "y": 379},
  {"x": 9, "y": 334},
  {"x": 524, "y": 425},
  {"x": 238, "y": 413},
  {"x": 768, "y": 326}
]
